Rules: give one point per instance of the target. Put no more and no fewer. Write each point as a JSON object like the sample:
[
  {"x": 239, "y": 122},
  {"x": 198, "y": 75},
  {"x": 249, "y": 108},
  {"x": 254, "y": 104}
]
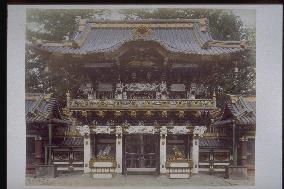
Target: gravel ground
[{"x": 135, "y": 180}]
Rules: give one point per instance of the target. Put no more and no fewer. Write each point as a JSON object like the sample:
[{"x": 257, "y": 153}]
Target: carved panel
[
  {"x": 178, "y": 130},
  {"x": 141, "y": 129},
  {"x": 103, "y": 130}
]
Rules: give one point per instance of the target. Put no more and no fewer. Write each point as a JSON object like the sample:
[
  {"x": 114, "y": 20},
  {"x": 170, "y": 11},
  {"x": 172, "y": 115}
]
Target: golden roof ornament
[{"x": 142, "y": 31}]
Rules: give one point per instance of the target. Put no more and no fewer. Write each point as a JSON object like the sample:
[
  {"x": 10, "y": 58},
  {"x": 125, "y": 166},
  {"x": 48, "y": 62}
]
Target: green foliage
[{"x": 54, "y": 24}]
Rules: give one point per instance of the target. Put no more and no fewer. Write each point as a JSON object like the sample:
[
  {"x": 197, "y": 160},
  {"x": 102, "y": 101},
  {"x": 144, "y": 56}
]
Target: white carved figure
[
  {"x": 199, "y": 130},
  {"x": 87, "y": 88},
  {"x": 141, "y": 87},
  {"x": 163, "y": 86},
  {"x": 118, "y": 130},
  {"x": 83, "y": 130},
  {"x": 192, "y": 88},
  {"x": 119, "y": 87},
  {"x": 158, "y": 95},
  {"x": 163, "y": 130}
]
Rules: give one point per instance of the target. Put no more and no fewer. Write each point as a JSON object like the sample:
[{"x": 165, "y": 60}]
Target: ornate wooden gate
[{"x": 141, "y": 154}]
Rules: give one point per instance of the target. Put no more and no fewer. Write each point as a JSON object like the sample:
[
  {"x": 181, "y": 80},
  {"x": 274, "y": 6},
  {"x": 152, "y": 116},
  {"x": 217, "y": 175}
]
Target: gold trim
[{"x": 138, "y": 25}]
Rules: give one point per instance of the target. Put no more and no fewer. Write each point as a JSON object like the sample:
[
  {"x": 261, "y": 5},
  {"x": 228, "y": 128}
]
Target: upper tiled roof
[{"x": 183, "y": 36}]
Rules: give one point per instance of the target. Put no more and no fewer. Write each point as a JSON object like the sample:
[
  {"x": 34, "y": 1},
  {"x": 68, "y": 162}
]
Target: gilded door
[{"x": 141, "y": 153}]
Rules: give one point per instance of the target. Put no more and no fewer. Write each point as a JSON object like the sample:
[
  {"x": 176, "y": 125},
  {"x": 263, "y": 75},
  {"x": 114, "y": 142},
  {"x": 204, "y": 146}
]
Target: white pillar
[
  {"x": 163, "y": 149},
  {"x": 118, "y": 155},
  {"x": 87, "y": 153},
  {"x": 195, "y": 154}
]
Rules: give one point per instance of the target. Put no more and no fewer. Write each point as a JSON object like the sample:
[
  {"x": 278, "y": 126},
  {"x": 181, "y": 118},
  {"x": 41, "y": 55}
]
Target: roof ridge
[{"x": 142, "y": 20}]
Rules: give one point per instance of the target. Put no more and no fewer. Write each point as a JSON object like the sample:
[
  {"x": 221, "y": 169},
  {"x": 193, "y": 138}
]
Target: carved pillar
[
  {"x": 195, "y": 154},
  {"x": 87, "y": 153},
  {"x": 118, "y": 155},
  {"x": 85, "y": 132},
  {"x": 243, "y": 151},
  {"x": 38, "y": 150},
  {"x": 49, "y": 142},
  {"x": 163, "y": 149},
  {"x": 235, "y": 146},
  {"x": 197, "y": 133}
]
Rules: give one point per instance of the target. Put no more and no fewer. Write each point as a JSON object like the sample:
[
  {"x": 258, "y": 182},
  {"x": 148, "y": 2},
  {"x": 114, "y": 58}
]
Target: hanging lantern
[
  {"x": 100, "y": 113},
  {"x": 164, "y": 114},
  {"x": 148, "y": 114},
  {"x": 117, "y": 113},
  {"x": 133, "y": 113}
]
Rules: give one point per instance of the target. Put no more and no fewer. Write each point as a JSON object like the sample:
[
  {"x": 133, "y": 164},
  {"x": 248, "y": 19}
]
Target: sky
[{"x": 247, "y": 16}]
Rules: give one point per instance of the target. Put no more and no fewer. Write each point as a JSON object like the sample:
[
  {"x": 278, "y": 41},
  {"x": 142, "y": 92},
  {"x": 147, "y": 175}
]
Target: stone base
[
  {"x": 102, "y": 176},
  {"x": 236, "y": 172},
  {"x": 179, "y": 176},
  {"x": 45, "y": 171}
]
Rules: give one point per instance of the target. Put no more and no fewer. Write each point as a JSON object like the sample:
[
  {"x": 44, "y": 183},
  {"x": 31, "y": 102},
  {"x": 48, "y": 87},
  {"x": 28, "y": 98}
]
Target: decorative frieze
[
  {"x": 103, "y": 130},
  {"x": 127, "y": 104},
  {"x": 141, "y": 129},
  {"x": 179, "y": 130},
  {"x": 141, "y": 87}
]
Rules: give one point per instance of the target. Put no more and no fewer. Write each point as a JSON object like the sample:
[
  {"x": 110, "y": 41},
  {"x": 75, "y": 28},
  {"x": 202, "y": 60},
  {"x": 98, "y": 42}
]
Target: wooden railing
[{"x": 170, "y": 104}]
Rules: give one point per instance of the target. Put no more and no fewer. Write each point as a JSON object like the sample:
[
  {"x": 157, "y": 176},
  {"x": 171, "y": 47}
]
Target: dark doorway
[{"x": 141, "y": 154}]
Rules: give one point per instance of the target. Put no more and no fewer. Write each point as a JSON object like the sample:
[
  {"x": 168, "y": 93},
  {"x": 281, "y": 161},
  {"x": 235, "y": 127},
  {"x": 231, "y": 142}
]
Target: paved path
[{"x": 136, "y": 180}]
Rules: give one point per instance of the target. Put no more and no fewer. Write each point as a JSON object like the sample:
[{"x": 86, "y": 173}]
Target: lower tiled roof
[
  {"x": 73, "y": 141},
  {"x": 214, "y": 143},
  {"x": 39, "y": 107}
]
